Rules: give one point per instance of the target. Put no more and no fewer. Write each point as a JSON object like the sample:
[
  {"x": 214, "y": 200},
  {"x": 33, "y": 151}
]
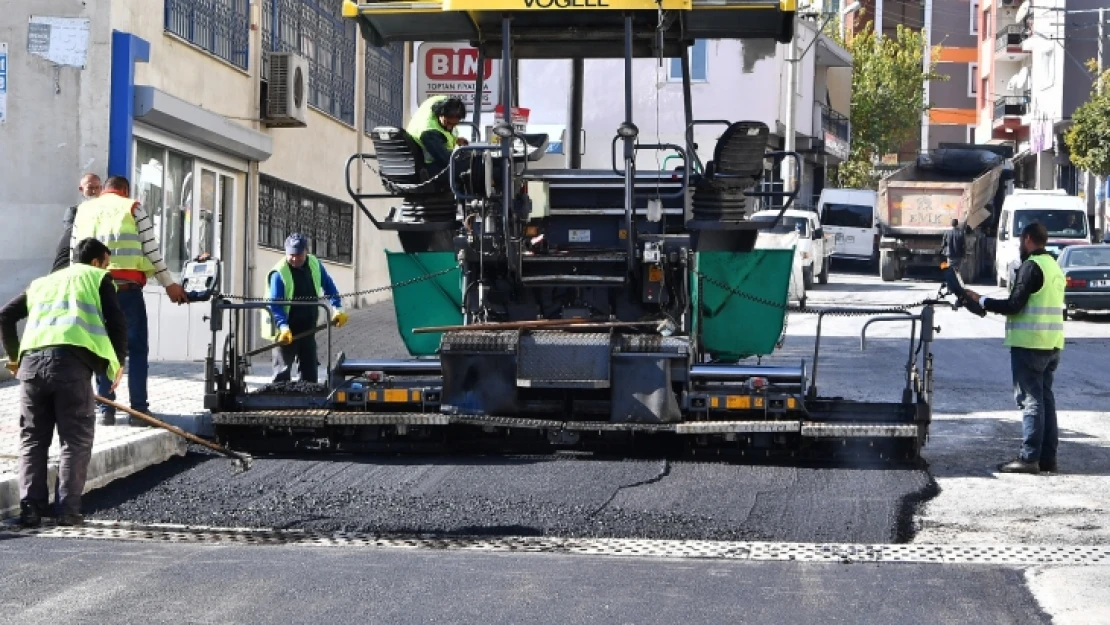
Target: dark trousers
[
  {"x": 138, "y": 348},
  {"x": 303, "y": 352},
  {"x": 1034, "y": 371},
  {"x": 55, "y": 392}
]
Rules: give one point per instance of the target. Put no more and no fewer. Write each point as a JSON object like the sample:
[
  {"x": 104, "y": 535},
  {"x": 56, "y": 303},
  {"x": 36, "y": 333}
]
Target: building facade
[
  {"x": 181, "y": 98},
  {"x": 1032, "y": 56}
]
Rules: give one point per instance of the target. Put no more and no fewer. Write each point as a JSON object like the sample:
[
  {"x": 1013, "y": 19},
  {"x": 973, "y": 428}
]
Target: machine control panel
[{"x": 200, "y": 279}]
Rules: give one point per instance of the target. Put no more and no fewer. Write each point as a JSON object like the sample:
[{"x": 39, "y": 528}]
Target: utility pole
[
  {"x": 1100, "y": 185},
  {"x": 792, "y": 58}
]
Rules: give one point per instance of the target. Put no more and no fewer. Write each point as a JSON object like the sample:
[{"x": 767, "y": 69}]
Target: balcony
[
  {"x": 1008, "y": 42},
  {"x": 1009, "y": 117},
  {"x": 835, "y": 132}
]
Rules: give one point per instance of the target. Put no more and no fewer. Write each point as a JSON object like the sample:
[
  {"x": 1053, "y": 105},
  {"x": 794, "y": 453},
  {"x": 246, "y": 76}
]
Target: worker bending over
[
  {"x": 433, "y": 129},
  {"x": 120, "y": 223},
  {"x": 298, "y": 276},
  {"x": 75, "y": 328},
  {"x": 1035, "y": 335}
]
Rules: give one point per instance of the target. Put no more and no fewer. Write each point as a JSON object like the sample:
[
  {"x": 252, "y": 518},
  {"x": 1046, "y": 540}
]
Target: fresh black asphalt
[{"x": 540, "y": 495}]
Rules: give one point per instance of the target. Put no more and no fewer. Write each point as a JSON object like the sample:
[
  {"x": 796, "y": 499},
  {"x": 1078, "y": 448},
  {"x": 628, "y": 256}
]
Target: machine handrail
[
  {"x": 657, "y": 146},
  {"x": 690, "y": 136}
]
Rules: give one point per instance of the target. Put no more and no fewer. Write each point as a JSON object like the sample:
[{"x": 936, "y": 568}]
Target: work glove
[
  {"x": 285, "y": 337},
  {"x": 339, "y": 318},
  {"x": 13, "y": 367}
]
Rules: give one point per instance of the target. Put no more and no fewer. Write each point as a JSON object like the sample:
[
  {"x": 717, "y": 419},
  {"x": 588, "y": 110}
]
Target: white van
[
  {"x": 848, "y": 217},
  {"x": 1063, "y": 215}
]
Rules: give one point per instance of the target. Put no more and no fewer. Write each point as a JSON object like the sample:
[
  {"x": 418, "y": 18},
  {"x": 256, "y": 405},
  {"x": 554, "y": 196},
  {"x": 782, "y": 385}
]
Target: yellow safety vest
[
  {"x": 282, "y": 269},
  {"x": 424, "y": 120},
  {"x": 108, "y": 219},
  {"x": 64, "y": 309},
  {"x": 1040, "y": 325}
]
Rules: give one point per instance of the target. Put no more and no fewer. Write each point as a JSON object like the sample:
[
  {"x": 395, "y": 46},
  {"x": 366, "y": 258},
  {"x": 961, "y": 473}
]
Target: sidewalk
[{"x": 177, "y": 396}]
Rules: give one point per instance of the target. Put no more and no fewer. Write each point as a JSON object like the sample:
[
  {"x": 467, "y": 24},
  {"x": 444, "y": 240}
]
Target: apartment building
[
  {"x": 1032, "y": 78},
  {"x": 199, "y": 105}
]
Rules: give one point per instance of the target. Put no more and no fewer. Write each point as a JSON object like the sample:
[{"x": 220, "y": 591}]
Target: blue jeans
[
  {"x": 1034, "y": 370},
  {"x": 134, "y": 310}
]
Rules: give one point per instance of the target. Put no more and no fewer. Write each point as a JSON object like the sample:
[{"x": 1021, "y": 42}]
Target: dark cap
[{"x": 296, "y": 244}]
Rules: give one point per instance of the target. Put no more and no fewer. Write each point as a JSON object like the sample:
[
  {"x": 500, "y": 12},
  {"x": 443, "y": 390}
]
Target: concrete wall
[{"x": 57, "y": 128}]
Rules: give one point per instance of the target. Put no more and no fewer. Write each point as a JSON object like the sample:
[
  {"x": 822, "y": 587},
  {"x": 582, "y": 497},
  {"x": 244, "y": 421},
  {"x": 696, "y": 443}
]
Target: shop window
[
  {"x": 220, "y": 27},
  {"x": 283, "y": 209},
  {"x": 385, "y": 86},
  {"x": 316, "y": 30},
  {"x": 699, "y": 63}
]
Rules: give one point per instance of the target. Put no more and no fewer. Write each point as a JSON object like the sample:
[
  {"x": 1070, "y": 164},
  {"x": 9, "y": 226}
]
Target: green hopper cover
[
  {"x": 732, "y": 327},
  {"x": 434, "y": 302}
]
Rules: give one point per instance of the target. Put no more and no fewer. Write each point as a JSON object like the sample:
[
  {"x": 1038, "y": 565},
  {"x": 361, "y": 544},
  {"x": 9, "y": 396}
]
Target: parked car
[
  {"x": 1087, "y": 271},
  {"x": 814, "y": 246}
]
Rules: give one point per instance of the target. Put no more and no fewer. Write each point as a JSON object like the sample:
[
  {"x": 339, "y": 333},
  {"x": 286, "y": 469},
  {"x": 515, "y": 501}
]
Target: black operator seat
[
  {"x": 401, "y": 161},
  {"x": 737, "y": 166}
]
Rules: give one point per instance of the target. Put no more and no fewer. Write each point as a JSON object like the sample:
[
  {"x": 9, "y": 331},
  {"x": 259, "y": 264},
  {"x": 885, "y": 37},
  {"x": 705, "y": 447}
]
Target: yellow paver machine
[{"x": 572, "y": 307}]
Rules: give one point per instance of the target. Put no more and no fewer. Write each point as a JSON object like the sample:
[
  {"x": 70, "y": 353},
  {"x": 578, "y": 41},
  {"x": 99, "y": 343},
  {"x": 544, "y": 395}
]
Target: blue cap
[{"x": 296, "y": 244}]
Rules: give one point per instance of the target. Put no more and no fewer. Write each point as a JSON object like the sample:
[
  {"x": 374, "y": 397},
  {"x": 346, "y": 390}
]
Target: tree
[
  {"x": 888, "y": 93},
  {"x": 1088, "y": 139}
]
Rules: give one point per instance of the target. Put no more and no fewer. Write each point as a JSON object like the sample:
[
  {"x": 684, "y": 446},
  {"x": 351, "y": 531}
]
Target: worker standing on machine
[
  {"x": 75, "y": 328},
  {"x": 433, "y": 129},
  {"x": 1035, "y": 335},
  {"x": 298, "y": 276}
]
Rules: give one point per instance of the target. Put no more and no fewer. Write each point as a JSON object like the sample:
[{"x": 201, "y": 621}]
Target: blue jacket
[{"x": 277, "y": 292}]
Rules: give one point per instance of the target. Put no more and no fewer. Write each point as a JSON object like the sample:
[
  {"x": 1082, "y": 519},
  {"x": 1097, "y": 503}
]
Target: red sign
[
  {"x": 454, "y": 64},
  {"x": 451, "y": 69}
]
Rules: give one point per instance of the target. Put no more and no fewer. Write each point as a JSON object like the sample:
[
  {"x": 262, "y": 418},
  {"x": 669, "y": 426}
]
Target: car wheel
[{"x": 823, "y": 277}]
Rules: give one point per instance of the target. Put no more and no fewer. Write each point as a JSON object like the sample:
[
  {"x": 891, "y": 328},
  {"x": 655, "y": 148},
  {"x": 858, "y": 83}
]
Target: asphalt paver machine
[{"x": 577, "y": 307}]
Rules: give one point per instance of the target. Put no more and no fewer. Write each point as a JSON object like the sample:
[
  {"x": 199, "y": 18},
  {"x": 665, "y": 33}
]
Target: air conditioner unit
[{"x": 287, "y": 91}]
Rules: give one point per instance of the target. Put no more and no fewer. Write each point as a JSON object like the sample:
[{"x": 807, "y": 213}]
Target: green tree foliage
[
  {"x": 888, "y": 93},
  {"x": 1088, "y": 139}
]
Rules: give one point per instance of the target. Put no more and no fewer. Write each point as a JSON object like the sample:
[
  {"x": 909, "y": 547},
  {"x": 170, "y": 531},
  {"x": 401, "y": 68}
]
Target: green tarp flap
[
  {"x": 434, "y": 302},
  {"x": 733, "y": 327}
]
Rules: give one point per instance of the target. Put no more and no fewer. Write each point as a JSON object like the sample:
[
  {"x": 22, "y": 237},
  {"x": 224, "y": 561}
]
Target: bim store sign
[{"x": 451, "y": 69}]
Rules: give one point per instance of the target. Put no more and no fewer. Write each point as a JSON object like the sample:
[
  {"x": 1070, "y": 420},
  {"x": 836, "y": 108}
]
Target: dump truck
[
  {"x": 577, "y": 308},
  {"x": 917, "y": 203}
]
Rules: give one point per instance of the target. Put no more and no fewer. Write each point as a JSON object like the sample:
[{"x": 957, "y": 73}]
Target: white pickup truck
[{"x": 814, "y": 247}]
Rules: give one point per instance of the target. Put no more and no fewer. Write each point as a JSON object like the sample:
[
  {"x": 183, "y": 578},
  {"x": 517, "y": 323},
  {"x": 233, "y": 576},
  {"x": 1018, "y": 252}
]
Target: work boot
[
  {"x": 1019, "y": 466},
  {"x": 1048, "y": 466},
  {"x": 30, "y": 514},
  {"x": 105, "y": 417},
  {"x": 136, "y": 422},
  {"x": 71, "y": 520}
]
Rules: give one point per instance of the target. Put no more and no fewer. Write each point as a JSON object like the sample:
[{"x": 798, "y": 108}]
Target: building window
[
  {"x": 988, "y": 32},
  {"x": 974, "y": 17},
  {"x": 283, "y": 209},
  {"x": 971, "y": 134},
  {"x": 385, "y": 86},
  {"x": 221, "y": 27},
  {"x": 972, "y": 80},
  {"x": 983, "y": 95},
  {"x": 699, "y": 63},
  {"x": 316, "y": 30}
]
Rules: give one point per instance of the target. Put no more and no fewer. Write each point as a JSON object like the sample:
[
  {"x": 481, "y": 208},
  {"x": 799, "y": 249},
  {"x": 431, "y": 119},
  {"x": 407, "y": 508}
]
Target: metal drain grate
[{"x": 629, "y": 547}]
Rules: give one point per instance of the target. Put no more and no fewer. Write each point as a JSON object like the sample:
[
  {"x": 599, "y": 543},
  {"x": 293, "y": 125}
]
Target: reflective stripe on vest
[
  {"x": 1040, "y": 325},
  {"x": 108, "y": 219},
  {"x": 424, "y": 120},
  {"x": 282, "y": 269},
  {"x": 64, "y": 309}
]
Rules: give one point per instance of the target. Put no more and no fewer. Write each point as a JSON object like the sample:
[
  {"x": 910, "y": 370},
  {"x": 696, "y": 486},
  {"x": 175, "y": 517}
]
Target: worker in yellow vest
[
  {"x": 1035, "y": 335},
  {"x": 120, "y": 222},
  {"x": 433, "y": 129},
  {"x": 75, "y": 328},
  {"x": 299, "y": 276}
]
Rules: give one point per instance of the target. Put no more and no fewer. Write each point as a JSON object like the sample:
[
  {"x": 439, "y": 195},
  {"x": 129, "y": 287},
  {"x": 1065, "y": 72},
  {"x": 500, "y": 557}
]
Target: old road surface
[{"x": 556, "y": 539}]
